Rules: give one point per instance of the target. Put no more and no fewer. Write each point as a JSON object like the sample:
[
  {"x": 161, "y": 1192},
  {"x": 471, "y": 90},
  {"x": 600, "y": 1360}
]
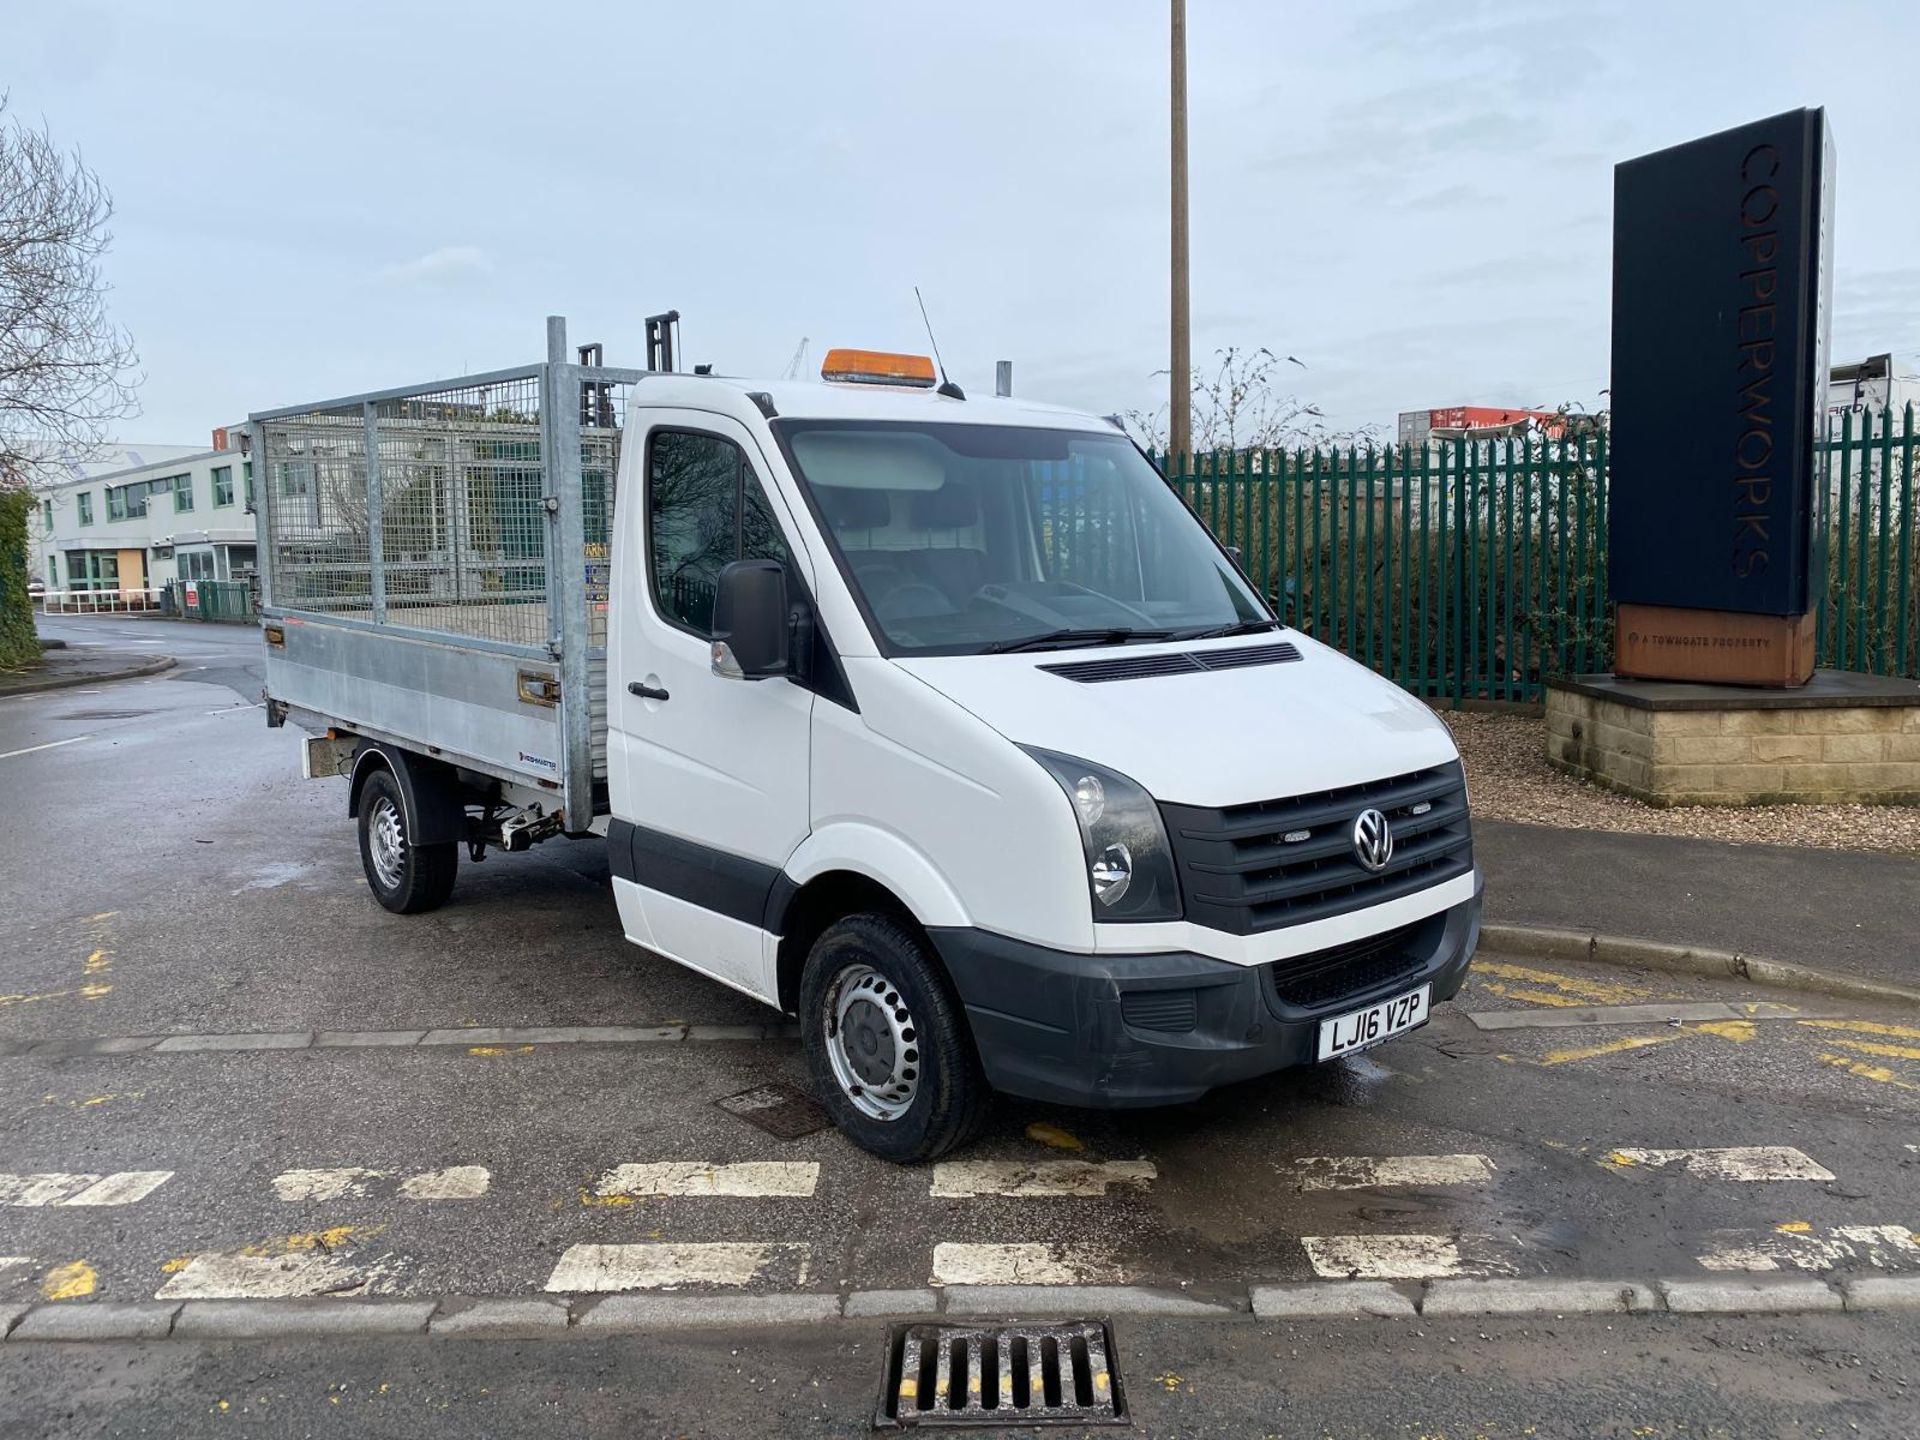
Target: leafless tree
[
  {"x": 1239, "y": 404},
  {"x": 67, "y": 372}
]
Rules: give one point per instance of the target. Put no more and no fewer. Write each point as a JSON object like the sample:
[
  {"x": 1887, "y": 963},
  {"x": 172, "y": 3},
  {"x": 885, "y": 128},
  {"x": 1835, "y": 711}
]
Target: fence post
[{"x": 1902, "y": 665}]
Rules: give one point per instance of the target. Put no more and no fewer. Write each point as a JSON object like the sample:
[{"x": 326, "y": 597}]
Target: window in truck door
[{"x": 697, "y": 522}]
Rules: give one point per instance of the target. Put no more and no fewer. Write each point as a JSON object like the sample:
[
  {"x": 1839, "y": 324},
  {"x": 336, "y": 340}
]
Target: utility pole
[{"x": 1180, "y": 370}]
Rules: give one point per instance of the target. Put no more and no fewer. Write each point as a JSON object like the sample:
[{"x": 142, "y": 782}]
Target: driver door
[{"x": 708, "y": 776}]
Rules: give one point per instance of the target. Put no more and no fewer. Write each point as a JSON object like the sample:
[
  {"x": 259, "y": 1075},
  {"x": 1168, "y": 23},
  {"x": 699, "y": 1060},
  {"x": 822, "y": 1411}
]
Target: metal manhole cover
[
  {"x": 1020, "y": 1374},
  {"x": 781, "y": 1110}
]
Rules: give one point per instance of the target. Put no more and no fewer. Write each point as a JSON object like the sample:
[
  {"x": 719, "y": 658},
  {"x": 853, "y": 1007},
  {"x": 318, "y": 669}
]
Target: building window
[
  {"x": 46, "y": 514},
  {"x": 246, "y": 475},
  {"x": 182, "y": 493},
  {"x": 53, "y": 573},
  {"x": 84, "y": 500},
  {"x": 116, "y": 503},
  {"x": 222, "y": 485},
  {"x": 196, "y": 565}
]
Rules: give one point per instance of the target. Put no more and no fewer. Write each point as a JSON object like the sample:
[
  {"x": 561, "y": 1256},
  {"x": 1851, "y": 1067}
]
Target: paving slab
[
  {"x": 673, "y": 1312},
  {"x": 890, "y": 1302},
  {"x": 1538, "y": 1297},
  {"x": 500, "y": 1319},
  {"x": 1078, "y": 1300},
  {"x": 1749, "y": 1297}
]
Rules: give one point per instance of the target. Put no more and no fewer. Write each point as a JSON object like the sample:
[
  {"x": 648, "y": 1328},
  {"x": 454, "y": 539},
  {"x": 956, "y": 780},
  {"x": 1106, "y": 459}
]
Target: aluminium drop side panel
[{"x": 456, "y": 701}]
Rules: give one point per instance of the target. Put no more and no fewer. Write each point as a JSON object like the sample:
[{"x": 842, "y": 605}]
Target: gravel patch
[{"x": 1506, "y": 759}]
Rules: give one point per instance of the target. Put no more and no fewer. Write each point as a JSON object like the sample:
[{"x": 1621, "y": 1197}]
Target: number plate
[{"x": 1363, "y": 1029}]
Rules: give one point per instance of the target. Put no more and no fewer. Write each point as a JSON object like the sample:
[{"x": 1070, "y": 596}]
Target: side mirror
[{"x": 750, "y": 621}]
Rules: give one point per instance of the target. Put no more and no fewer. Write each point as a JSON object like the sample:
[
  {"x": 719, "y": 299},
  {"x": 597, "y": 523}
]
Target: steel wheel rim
[
  {"x": 873, "y": 1046},
  {"x": 387, "y": 843}
]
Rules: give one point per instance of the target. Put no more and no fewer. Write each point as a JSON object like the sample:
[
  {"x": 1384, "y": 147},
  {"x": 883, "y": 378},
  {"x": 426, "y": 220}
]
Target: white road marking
[
  {"x": 124, "y": 1188},
  {"x": 346, "y": 1182},
  {"x": 457, "y": 1182},
  {"x": 1371, "y": 1172},
  {"x": 757, "y": 1178},
  {"x": 1738, "y": 1162},
  {"x": 14, "y": 1262},
  {"x": 1384, "y": 1257},
  {"x": 353, "y": 1182},
  {"x": 54, "y": 1188},
  {"x": 667, "y": 1266},
  {"x": 1886, "y": 1247},
  {"x": 265, "y": 1277},
  {"x": 955, "y": 1263},
  {"x": 50, "y": 745},
  {"x": 965, "y": 1179}
]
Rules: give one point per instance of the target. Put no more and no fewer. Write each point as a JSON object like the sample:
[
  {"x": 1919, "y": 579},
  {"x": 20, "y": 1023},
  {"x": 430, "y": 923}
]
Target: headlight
[{"x": 1129, "y": 863}]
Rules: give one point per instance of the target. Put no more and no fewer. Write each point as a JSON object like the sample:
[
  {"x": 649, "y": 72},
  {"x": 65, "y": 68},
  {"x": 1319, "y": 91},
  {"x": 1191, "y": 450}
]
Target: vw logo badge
[{"x": 1372, "y": 840}]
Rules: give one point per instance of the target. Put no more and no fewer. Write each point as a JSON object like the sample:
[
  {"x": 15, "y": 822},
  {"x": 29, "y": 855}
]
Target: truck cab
[{"x": 944, "y": 724}]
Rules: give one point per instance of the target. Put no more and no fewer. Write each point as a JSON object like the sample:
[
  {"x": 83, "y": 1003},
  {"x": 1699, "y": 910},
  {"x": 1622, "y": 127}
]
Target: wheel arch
[{"x": 429, "y": 791}]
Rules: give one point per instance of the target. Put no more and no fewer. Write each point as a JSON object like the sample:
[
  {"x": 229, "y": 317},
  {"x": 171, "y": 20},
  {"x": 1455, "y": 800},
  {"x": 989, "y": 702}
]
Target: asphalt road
[{"x": 168, "y": 873}]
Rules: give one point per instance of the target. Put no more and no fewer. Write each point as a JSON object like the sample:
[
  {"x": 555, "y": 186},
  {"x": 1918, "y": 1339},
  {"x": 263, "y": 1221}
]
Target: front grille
[
  {"x": 967, "y": 1376},
  {"x": 1250, "y": 868},
  {"x": 1307, "y": 982}
]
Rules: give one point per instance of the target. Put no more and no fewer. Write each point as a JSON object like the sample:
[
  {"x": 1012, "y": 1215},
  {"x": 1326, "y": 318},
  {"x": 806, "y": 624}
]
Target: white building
[{"x": 185, "y": 516}]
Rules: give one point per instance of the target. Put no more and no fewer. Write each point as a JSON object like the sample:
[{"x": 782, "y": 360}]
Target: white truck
[{"x": 939, "y": 722}]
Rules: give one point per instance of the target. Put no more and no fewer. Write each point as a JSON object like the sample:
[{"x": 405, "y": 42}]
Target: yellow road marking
[
  {"x": 1866, "y": 1027},
  {"x": 1794, "y": 1227},
  {"x": 1738, "y": 1031},
  {"x": 1866, "y": 1071},
  {"x": 1054, "y": 1136},
  {"x": 497, "y": 1050},
  {"x": 328, "y": 1240},
  {"x": 98, "y": 962},
  {"x": 1612, "y": 1047},
  {"x": 1875, "y": 1047},
  {"x": 1533, "y": 997},
  {"x": 1593, "y": 991},
  {"x": 69, "y": 1282}
]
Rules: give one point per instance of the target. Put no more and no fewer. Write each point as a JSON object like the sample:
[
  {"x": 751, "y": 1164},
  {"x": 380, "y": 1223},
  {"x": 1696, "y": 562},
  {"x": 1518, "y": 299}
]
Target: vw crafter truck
[{"x": 940, "y": 723}]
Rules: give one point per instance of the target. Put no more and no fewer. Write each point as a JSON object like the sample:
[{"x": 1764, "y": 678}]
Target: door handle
[{"x": 646, "y": 692}]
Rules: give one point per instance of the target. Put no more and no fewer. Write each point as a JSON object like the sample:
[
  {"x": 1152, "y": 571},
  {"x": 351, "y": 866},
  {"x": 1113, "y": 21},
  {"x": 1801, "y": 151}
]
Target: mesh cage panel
[{"x": 318, "y": 537}]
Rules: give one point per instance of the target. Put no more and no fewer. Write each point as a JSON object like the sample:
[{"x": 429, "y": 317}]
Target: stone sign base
[{"x": 1842, "y": 739}]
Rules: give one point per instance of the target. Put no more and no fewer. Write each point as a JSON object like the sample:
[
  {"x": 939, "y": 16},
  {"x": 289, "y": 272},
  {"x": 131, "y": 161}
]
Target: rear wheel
[
  {"x": 406, "y": 878},
  {"x": 886, "y": 1042}
]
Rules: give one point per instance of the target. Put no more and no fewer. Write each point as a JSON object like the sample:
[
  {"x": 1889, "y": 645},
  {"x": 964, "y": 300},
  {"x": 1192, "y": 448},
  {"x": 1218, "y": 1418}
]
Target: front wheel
[
  {"x": 886, "y": 1042},
  {"x": 406, "y": 878}
]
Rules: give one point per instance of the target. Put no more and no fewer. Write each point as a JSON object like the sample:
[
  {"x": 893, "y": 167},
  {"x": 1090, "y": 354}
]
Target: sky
[{"x": 1412, "y": 198}]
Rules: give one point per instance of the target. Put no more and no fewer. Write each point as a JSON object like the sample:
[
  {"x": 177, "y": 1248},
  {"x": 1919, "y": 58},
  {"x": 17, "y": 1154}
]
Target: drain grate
[
  {"x": 779, "y": 1109},
  {"x": 964, "y": 1375}
]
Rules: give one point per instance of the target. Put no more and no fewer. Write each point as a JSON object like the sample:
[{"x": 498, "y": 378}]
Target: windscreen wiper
[
  {"x": 1241, "y": 627},
  {"x": 1055, "y": 639}
]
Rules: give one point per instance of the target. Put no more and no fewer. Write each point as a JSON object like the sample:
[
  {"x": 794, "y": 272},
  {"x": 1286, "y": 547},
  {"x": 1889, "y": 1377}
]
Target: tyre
[
  {"x": 887, "y": 1044},
  {"x": 406, "y": 878}
]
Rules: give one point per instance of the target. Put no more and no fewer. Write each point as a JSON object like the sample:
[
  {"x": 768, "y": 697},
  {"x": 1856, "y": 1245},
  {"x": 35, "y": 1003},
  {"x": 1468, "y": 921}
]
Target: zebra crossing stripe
[
  {"x": 1737, "y": 1162},
  {"x": 55, "y": 1188},
  {"x": 1373, "y": 1172},
  {"x": 1405, "y": 1257},
  {"x": 353, "y": 1182},
  {"x": 1023, "y": 1179},
  {"x": 237, "y": 1276},
  {"x": 758, "y": 1179},
  {"x": 1803, "y": 1247},
  {"x": 956, "y": 1263},
  {"x": 671, "y": 1266}
]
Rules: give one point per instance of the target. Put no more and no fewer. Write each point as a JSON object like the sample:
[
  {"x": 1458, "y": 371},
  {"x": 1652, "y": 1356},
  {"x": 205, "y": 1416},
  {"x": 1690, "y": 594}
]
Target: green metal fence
[
  {"x": 231, "y": 601},
  {"x": 1477, "y": 570}
]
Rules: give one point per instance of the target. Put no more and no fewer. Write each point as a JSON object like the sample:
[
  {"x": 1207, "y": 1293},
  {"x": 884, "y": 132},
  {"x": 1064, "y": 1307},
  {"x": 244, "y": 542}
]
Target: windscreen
[{"x": 958, "y": 539}]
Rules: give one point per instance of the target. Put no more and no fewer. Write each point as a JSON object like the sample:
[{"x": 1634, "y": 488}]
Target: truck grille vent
[
  {"x": 1250, "y": 868},
  {"x": 1174, "y": 1012},
  {"x": 1181, "y": 662},
  {"x": 1308, "y": 982},
  {"x": 1012, "y": 1375}
]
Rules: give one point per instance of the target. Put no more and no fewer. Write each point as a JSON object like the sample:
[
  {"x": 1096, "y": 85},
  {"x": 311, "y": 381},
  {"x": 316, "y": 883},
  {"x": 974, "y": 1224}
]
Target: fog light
[{"x": 1112, "y": 872}]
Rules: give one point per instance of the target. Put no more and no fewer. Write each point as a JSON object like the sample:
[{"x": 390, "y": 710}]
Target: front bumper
[{"x": 1113, "y": 1031}]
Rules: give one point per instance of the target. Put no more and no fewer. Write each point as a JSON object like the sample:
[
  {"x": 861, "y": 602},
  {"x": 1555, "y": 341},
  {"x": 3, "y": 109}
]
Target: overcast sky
[{"x": 1413, "y": 198}]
